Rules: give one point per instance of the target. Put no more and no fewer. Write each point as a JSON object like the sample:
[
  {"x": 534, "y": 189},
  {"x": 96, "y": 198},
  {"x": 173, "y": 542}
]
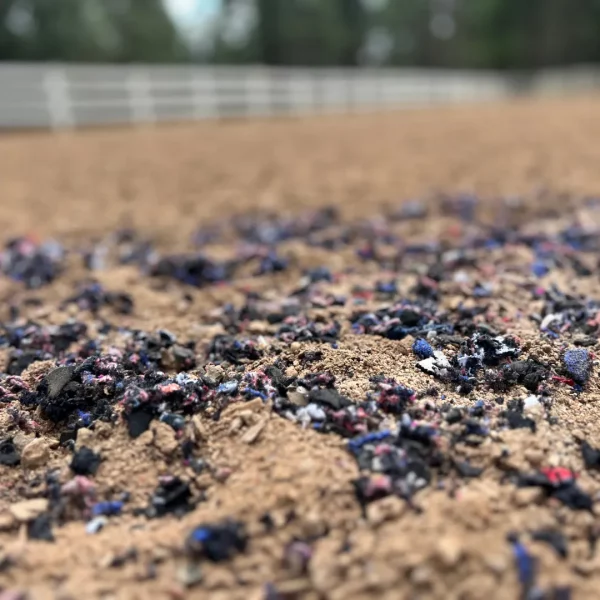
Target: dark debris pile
[
  {"x": 440, "y": 303},
  {"x": 35, "y": 264}
]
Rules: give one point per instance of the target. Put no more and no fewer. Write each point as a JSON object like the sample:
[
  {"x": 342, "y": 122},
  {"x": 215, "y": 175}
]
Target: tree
[
  {"x": 298, "y": 32},
  {"x": 354, "y": 19},
  {"x": 88, "y": 31},
  {"x": 503, "y": 34},
  {"x": 9, "y": 41},
  {"x": 145, "y": 32},
  {"x": 270, "y": 31},
  {"x": 65, "y": 30}
]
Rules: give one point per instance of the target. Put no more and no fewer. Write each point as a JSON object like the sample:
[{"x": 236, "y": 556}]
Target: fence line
[{"x": 63, "y": 96}]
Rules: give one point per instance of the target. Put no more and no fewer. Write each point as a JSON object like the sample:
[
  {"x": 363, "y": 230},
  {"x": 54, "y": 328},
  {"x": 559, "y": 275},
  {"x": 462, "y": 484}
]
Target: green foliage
[
  {"x": 516, "y": 34},
  {"x": 307, "y": 32},
  {"x": 88, "y": 31},
  {"x": 486, "y": 33},
  {"x": 145, "y": 32}
]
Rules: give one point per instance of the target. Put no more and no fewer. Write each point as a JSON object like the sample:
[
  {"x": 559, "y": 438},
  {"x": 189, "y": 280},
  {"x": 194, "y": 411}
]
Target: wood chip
[
  {"x": 27, "y": 510},
  {"x": 254, "y": 432}
]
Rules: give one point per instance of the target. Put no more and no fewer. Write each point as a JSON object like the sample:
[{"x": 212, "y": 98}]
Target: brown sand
[
  {"x": 168, "y": 180},
  {"x": 80, "y": 184}
]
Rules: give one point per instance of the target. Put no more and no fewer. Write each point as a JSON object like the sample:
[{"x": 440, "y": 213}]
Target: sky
[
  {"x": 192, "y": 13},
  {"x": 194, "y": 18}
]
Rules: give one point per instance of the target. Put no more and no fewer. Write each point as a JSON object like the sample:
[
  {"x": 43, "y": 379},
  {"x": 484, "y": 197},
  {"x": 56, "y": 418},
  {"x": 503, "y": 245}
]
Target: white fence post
[
  {"x": 247, "y": 97},
  {"x": 197, "y": 96},
  {"x": 140, "y": 97},
  {"x": 349, "y": 91},
  {"x": 58, "y": 98}
]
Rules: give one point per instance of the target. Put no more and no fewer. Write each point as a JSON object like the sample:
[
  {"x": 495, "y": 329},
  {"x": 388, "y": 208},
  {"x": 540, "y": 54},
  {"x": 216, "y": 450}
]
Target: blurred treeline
[
  {"x": 447, "y": 33},
  {"x": 89, "y": 31}
]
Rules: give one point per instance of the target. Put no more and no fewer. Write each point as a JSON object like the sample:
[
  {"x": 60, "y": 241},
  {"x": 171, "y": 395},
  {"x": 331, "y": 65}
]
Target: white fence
[{"x": 58, "y": 96}]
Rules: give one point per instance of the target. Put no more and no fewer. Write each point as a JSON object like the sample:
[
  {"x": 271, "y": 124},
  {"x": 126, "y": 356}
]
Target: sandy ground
[
  {"x": 167, "y": 181},
  {"x": 171, "y": 178}
]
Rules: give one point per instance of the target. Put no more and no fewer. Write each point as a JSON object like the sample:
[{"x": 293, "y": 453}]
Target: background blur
[
  {"x": 290, "y": 55},
  {"x": 446, "y": 33}
]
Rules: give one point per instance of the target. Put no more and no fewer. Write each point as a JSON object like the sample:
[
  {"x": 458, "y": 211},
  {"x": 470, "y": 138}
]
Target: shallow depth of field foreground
[{"x": 334, "y": 357}]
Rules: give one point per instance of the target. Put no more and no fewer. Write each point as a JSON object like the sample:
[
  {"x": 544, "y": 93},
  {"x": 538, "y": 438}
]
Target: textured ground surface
[{"x": 507, "y": 277}]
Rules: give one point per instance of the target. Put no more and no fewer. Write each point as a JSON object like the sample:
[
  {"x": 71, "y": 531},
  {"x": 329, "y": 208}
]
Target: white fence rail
[{"x": 61, "y": 96}]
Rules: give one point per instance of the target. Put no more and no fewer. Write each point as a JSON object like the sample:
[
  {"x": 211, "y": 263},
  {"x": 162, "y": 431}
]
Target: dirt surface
[
  {"x": 500, "y": 239},
  {"x": 170, "y": 179}
]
